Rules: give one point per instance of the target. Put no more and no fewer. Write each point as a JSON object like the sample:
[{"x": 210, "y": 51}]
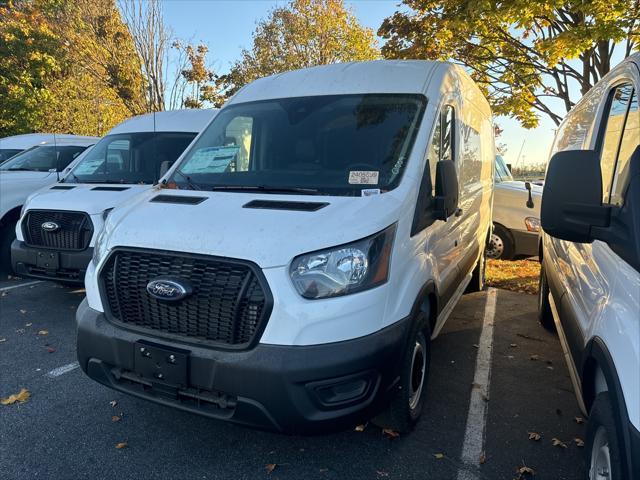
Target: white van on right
[{"x": 590, "y": 275}]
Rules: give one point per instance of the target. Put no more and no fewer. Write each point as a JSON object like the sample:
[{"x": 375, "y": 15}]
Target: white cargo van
[
  {"x": 59, "y": 224},
  {"x": 10, "y": 146},
  {"x": 306, "y": 249},
  {"x": 590, "y": 276},
  {"x": 516, "y": 216},
  {"x": 27, "y": 172}
]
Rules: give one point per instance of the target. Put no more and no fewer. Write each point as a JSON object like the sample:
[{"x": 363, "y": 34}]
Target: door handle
[{"x": 458, "y": 212}]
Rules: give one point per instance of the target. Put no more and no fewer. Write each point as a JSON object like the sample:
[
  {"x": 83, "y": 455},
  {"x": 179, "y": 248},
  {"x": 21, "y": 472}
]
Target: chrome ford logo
[
  {"x": 50, "y": 226},
  {"x": 168, "y": 289}
]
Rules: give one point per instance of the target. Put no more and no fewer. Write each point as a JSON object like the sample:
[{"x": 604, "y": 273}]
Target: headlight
[
  {"x": 100, "y": 247},
  {"x": 344, "y": 269},
  {"x": 532, "y": 223}
]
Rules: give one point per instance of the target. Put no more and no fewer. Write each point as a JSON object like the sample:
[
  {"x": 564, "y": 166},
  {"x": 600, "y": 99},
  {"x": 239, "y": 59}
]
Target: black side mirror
[
  {"x": 446, "y": 200},
  {"x": 572, "y": 196},
  {"x": 527, "y": 185}
]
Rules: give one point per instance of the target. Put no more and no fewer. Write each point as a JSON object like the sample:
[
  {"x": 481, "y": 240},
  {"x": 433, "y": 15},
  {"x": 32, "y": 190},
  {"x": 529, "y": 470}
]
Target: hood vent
[
  {"x": 110, "y": 189},
  {"x": 178, "y": 199},
  {"x": 286, "y": 205},
  {"x": 63, "y": 187}
]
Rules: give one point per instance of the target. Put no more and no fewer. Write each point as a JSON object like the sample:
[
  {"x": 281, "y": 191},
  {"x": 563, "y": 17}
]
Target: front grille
[
  {"x": 73, "y": 232},
  {"x": 229, "y": 303}
]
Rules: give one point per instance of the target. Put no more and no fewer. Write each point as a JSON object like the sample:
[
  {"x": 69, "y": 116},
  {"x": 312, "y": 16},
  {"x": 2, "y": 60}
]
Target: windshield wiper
[
  {"x": 266, "y": 189},
  {"x": 75, "y": 177},
  {"x": 21, "y": 169},
  {"x": 189, "y": 181}
]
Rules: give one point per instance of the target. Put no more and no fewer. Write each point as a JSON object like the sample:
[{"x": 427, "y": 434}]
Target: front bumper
[
  {"x": 66, "y": 266},
  {"x": 526, "y": 243},
  {"x": 292, "y": 389}
]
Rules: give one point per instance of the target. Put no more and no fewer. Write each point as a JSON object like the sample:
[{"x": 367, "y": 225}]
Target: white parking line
[
  {"x": 56, "y": 372},
  {"x": 27, "y": 284},
  {"x": 474, "y": 435}
]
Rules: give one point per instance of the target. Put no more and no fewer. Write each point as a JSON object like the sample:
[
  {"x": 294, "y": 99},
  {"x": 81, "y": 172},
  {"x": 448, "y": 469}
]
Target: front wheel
[
  {"x": 501, "y": 245},
  {"x": 405, "y": 407},
  {"x": 602, "y": 450}
]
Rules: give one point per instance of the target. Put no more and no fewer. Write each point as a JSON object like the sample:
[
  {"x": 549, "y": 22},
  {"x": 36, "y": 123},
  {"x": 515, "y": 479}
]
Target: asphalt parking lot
[{"x": 67, "y": 430}]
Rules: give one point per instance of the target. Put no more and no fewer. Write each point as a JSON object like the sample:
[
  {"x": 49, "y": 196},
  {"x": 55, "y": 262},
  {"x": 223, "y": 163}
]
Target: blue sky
[{"x": 226, "y": 27}]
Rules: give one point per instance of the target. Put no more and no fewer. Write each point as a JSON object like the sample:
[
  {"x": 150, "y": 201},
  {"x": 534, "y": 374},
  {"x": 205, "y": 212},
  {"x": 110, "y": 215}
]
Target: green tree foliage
[
  {"x": 530, "y": 57},
  {"x": 68, "y": 66},
  {"x": 302, "y": 34}
]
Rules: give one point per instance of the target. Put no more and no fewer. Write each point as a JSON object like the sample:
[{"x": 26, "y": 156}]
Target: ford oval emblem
[
  {"x": 168, "y": 289},
  {"x": 50, "y": 226}
]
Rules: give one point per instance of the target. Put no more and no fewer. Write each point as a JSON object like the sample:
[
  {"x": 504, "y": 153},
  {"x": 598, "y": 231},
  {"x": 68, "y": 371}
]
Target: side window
[
  {"x": 443, "y": 142},
  {"x": 629, "y": 142},
  {"x": 610, "y": 134}
]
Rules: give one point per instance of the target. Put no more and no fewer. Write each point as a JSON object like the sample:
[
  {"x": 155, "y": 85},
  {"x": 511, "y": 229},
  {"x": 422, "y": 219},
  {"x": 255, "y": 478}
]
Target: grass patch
[{"x": 515, "y": 275}]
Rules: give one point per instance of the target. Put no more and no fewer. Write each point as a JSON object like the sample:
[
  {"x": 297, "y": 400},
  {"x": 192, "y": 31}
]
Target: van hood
[
  {"x": 8, "y": 176},
  {"x": 222, "y": 225},
  {"x": 519, "y": 185},
  {"x": 89, "y": 198},
  {"x": 15, "y": 187}
]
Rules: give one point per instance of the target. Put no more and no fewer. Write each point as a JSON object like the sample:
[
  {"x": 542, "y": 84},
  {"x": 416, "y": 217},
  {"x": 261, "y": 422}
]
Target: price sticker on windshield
[{"x": 363, "y": 177}]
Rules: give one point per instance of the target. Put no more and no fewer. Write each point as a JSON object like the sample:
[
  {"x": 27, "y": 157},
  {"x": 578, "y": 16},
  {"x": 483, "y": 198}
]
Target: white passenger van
[
  {"x": 590, "y": 277},
  {"x": 516, "y": 216},
  {"x": 10, "y": 146},
  {"x": 27, "y": 172},
  {"x": 59, "y": 224},
  {"x": 306, "y": 249}
]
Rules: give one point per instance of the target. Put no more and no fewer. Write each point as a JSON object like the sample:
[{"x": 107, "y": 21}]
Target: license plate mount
[
  {"x": 47, "y": 259},
  {"x": 161, "y": 364}
]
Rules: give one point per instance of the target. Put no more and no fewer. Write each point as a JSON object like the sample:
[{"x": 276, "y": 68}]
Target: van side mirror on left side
[
  {"x": 530, "y": 204},
  {"x": 572, "y": 197},
  {"x": 446, "y": 199}
]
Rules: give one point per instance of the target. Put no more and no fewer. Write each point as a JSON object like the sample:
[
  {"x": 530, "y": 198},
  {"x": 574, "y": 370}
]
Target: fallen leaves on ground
[
  {"x": 360, "y": 428},
  {"x": 3, "y": 339},
  {"x": 558, "y": 443},
  {"x": 535, "y": 436},
  {"x": 382, "y": 473},
  {"x": 113, "y": 403},
  {"x": 579, "y": 420},
  {"x": 43, "y": 332},
  {"x": 525, "y": 472},
  {"x": 482, "y": 459},
  {"x": 122, "y": 445},
  {"x": 534, "y": 357},
  {"x": 19, "y": 397},
  {"x": 513, "y": 345},
  {"x": 28, "y": 324},
  {"x": 390, "y": 433},
  {"x": 515, "y": 275},
  {"x": 22, "y": 311},
  {"x": 270, "y": 467},
  {"x": 439, "y": 456},
  {"x": 579, "y": 442},
  {"x": 51, "y": 349},
  {"x": 116, "y": 418}
]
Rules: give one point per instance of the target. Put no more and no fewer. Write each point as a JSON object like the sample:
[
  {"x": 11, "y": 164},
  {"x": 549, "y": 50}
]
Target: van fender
[{"x": 597, "y": 357}]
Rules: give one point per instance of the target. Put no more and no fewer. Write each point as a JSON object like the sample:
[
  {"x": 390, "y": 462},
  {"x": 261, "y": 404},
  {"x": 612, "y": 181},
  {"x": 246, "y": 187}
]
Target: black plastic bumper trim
[{"x": 72, "y": 264}]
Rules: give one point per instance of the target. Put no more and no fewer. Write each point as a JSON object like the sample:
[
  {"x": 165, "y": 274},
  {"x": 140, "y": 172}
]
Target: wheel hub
[
  {"x": 600, "y": 457},
  {"x": 495, "y": 247},
  {"x": 418, "y": 367}
]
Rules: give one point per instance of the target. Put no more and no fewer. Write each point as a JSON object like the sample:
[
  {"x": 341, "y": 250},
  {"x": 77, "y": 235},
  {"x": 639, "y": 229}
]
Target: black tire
[
  {"x": 7, "y": 236},
  {"x": 602, "y": 422},
  {"x": 405, "y": 408},
  {"x": 478, "y": 276},
  {"x": 545, "y": 316},
  {"x": 501, "y": 245}
]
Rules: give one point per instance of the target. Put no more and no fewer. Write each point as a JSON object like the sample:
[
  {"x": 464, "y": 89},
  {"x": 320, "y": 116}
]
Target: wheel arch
[
  {"x": 12, "y": 216},
  {"x": 427, "y": 302},
  {"x": 598, "y": 360}
]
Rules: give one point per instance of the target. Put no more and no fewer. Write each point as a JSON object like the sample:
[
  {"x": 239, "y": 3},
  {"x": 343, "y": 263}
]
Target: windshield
[
  {"x": 141, "y": 157},
  {"x": 339, "y": 144},
  {"x": 503, "y": 174},
  {"x": 7, "y": 153},
  {"x": 43, "y": 158}
]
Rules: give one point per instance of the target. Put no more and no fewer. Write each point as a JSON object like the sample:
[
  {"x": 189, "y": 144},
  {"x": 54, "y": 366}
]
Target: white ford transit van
[
  {"x": 306, "y": 249},
  {"x": 590, "y": 275},
  {"x": 516, "y": 216},
  {"x": 10, "y": 146},
  {"x": 27, "y": 172},
  {"x": 58, "y": 226}
]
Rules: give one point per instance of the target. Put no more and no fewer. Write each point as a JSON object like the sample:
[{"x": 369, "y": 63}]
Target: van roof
[
  {"x": 377, "y": 76},
  {"x": 186, "y": 120},
  {"x": 28, "y": 140}
]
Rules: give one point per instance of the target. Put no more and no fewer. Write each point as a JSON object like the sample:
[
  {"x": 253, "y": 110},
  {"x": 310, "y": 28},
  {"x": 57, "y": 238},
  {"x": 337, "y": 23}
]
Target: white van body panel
[
  {"x": 510, "y": 204},
  {"x": 603, "y": 291},
  {"x": 26, "y": 140},
  {"x": 270, "y": 238}
]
